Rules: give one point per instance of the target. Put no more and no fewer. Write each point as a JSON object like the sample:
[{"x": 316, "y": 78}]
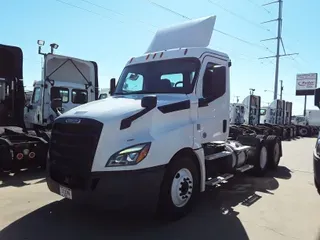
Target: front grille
[{"x": 72, "y": 149}]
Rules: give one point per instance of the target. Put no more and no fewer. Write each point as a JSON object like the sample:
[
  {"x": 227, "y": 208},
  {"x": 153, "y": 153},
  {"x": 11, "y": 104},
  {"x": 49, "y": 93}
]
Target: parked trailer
[{"x": 163, "y": 142}]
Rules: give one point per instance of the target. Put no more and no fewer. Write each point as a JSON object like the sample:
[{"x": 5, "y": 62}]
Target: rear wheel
[
  {"x": 274, "y": 152},
  {"x": 261, "y": 161},
  {"x": 179, "y": 189},
  {"x": 303, "y": 132}
]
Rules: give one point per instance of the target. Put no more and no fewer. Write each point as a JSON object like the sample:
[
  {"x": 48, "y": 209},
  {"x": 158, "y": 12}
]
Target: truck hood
[{"x": 119, "y": 106}]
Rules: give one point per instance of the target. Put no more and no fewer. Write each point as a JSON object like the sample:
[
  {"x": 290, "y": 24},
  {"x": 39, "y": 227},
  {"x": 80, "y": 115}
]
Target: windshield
[
  {"x": 169, "y": 76},
  {"x": 263, "y": 112}
]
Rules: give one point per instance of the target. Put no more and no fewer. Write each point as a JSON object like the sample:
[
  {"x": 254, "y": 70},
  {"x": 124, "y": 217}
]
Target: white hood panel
[{"x": 119, "y": 106}]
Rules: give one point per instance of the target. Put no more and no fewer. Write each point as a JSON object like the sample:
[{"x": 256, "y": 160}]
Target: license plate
[{"x": 65, "y": 192}]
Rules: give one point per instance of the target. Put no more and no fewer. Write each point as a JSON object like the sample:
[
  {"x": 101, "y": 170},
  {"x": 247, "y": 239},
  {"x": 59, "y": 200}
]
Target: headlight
[
  {"x": 318, "y": 147},
  {"x": 129, "y": 156}
]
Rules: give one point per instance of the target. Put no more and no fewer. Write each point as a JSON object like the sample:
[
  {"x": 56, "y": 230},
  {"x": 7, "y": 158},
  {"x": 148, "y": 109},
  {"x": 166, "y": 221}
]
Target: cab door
[{"x": 213, "y": 100}]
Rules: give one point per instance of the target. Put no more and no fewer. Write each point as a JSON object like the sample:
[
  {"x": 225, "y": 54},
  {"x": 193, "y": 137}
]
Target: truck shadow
[
  {"x": 22, "y": 178},
  {"x": 214, "y": 217}
]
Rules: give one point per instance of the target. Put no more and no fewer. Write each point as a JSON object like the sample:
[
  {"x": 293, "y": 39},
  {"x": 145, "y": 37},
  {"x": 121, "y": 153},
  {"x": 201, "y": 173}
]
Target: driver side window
[{"x": 214, "y": 81}]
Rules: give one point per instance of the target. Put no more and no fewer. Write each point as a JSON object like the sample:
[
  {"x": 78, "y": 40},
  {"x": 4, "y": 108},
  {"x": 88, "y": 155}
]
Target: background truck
[
  {"x": 19, "y": 147},
  {"x": 245, "y": 118},
  {"x": 307, "y": 126},
  {"x": 162, "y": 137},
  {"x": 276, "y": 116},
  {"x": 73, "y": 80},
  {"x": 25, "y": 133}
]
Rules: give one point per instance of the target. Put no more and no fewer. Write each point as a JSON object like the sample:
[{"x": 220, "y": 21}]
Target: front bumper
[{"x": 117, "y": 189}]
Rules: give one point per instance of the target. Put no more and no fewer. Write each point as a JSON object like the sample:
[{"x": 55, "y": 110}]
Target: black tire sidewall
[
  {"x": 166, "y": 208},
  {"x": 257, "y": 170},
  {"x": 271, "y": 161},
  {"x": 303, "y": 129}
]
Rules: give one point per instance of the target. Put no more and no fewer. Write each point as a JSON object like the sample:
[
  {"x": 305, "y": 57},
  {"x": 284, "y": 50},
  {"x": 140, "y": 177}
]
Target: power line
[
  {"x": 117, "y": 13},
  {"x": 258, "y": 6},
  {"x": 157, "y": 5},
  {"x": 84, "y": 9},
  {"x": 279, "y": 41},
  {"x": 238, "y": 16},
  {"x": 219, "y": 31}
]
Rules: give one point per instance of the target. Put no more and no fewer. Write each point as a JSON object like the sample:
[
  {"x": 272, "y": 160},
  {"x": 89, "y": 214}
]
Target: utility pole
[
  {"x": 237, "y": 98},
  {"x": 279, "y": 41}
]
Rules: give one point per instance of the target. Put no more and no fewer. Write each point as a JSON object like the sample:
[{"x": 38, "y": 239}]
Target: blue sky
[{"x": 111, "y": 32}]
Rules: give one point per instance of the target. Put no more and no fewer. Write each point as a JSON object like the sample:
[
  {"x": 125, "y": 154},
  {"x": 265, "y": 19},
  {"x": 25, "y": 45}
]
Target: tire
[
  {"x": 260, "y": 161},
  {"x": 274, "y": 152},
  {"x": 303, "y": 132},
  {"x": 183, "y": 172}
]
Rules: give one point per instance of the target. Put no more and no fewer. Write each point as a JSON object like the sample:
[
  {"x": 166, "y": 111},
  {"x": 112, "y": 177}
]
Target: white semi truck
[
  {"x": 162, "y": 135},
  {"x": 278, "y": 115},
  {"x": 73, "y": 80}
]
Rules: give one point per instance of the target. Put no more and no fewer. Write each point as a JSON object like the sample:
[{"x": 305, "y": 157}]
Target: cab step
[
  {"x": 220, "y": 179},
  {"x": 244, "y": 168}
]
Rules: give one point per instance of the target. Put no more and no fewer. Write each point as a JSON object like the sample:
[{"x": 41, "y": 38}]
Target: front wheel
[{"x": 179, "y": 189}]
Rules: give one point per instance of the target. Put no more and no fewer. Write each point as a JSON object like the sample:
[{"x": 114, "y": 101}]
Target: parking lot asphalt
[{"x": 282, "y": 205}]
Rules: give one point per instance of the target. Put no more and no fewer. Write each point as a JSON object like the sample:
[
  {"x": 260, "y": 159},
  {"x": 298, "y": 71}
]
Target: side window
[
  {"x": 176, "y": 79},
  {"x": 214, "y": 81},
  {"x": 36, "y": 96},
  {"x": 58, "y": 92},
  {"x": 79, "y": 96},
  {"x": 134, "y": 82}
]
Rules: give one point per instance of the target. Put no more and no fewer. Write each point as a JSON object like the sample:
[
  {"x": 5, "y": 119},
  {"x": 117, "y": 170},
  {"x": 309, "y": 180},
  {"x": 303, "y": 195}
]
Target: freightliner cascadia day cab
[{"x": 162, "y": 135}]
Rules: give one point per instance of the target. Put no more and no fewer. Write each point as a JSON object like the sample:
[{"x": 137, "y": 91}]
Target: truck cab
[
  {"x": 274, "y": 113},
  {"x": 162, "y": 135},
  {"x": 246, "y": 112},
  {"x": 72, "y": 80},
  {"x": 237, "y": 113}
]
